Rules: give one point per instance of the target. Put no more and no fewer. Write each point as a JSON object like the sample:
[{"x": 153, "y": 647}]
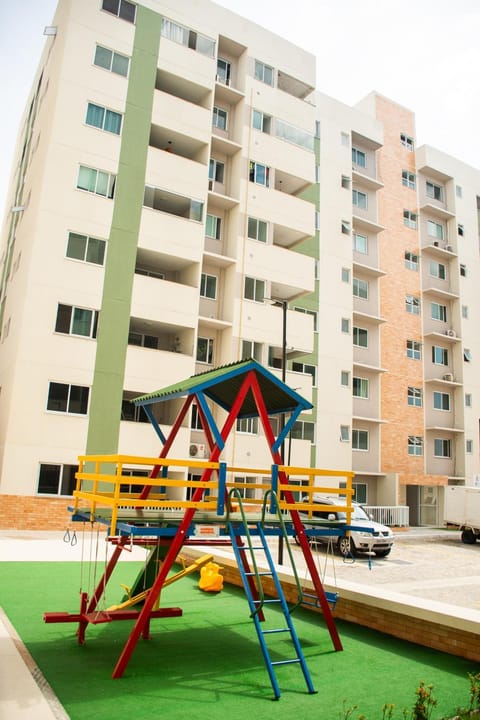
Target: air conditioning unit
[
  {"x": 436, "y": 243},
  {"x": 451, "y": 333},
  {"x": 448, "y": 376},
  {"x": 210, "y": 184},
  {"x": 449, "y": 248},
  {"x": 197, "y": 450}
]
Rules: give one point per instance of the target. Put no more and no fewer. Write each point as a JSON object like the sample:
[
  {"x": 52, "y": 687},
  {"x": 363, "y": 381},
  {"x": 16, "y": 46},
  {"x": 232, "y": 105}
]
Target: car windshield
[{"x": 359, "y": 513}]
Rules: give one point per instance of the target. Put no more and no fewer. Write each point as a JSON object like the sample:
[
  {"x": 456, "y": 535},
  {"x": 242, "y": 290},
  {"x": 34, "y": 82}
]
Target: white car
[{"x": 380, "y": 541}]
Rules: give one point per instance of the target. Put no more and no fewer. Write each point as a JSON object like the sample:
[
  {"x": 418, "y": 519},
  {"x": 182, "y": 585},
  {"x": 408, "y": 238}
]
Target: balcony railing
[{"x": 391, "y": 515}]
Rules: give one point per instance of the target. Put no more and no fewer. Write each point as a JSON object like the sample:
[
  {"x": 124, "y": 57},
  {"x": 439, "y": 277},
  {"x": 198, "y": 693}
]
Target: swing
[{"x": 331, "y": 596}]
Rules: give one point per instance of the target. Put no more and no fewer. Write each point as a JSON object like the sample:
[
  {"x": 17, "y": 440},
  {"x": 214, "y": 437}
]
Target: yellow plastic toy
[{"x": 210, "y": 578}]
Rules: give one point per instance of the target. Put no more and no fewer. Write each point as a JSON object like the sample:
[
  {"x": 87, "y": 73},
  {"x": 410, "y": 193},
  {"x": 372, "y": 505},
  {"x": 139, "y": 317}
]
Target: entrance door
[{"x": 423, "y": 503}]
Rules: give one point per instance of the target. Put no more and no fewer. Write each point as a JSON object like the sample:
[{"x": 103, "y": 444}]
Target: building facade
[{"x": 183, "y": 197}]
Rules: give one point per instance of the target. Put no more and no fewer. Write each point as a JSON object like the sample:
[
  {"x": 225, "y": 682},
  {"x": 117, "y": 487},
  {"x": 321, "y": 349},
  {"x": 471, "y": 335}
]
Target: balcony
[
  {"x": 175, "y": 303},
  {"x": 285, "y": 211},
  {"x": 174, "y": 236},
  {"x": 176, "y": 174},
  {"x": 176, "y": 119},
  {"x": 147, "y": 368},
  {"x": 291, "y": 274},
  {"x": 176, "y": 60}
]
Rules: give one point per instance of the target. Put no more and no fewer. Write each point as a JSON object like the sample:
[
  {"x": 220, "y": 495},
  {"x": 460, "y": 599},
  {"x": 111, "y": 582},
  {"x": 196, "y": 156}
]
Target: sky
[{"x": 423, "y": 54}]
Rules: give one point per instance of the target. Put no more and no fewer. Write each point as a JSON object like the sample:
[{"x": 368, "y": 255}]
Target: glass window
[
  {"x": 439, "y": 312},
  {"x": 359, "y": 439},
  {"x": 262, "y": 122},
  {"x": 360, "y": 387},
  {"x": 434, "y": 191},
  {"x": 251, "y": 349},
  {"x": 303, "y": 430},
  {"x": 415, "y": 445},
  {"x": 223, "y": 71},
  {"x": 293, "y": 135},
  {"x": 104, "y": 119},
  {"x": 254, "y": 289},
  {"x": 359, "y": 157},
  {"x": 205, "y": 350},
  {"x": 306, "y": 369},
  {"x": 248, "y": 425},
  {"x": 408, "y": 179},
  {"x": 121, "y": 8},
  {"x": 407, "y": 141},
  {"x": 346, "y": 227},
  {"x": 441, "y": 400},
  {"x": 360, "y": 243},
  {"x": 213, "y": 227},
  {"x": 56, "y": 479},
  {"x": 191, "y": 39},
  {"x": 344, "y": 433},
  {"x": 76, "y": 321},
  {"x": 359, "y": 199},
  {"x": 411, "y": 260},
  {"x": 360, "y": 288},
  {"x": 414, "y": 350},
  {"x": 435, "y": 229},
  {"x": 172, "y": 203},
  {"x": 208, "y": 286},
  {"x": 438, "y": 270},
  {"x": 410, "y": 219},
  {"x": 469, "y": 447},
  {"x": 216, "y": 171},
  {"x": 345, "y": 325},
  {"x": 360, "y": 337},
  {"x": 67, "y": 398},
  {"x": 468, "y": 400},
  {"x": 442, "y": 448},
  {"x": 257, "y": 229},
  {"x": 264, "y": 73},
  {"x": 439, "y": 355},
  {"x": 259, "y": 174},
  {"x": 111, "y": 60},
  {"x": 220, "y": 118},
  {"x": 86, "y": 249},
  {"x": 412, "y": 304},
  {"x": 415, "y": 396},
  {"x": 96, "y": 181},
  {"x": 345, "y": 275},
  {"x": 345, "y": 378}
]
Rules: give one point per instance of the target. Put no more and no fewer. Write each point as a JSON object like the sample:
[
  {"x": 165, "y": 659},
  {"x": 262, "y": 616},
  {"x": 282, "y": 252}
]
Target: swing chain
[{"x": 72, "y": 539}]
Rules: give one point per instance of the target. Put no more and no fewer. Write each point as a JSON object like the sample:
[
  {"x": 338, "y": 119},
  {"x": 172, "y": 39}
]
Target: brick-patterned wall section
[
  {"x": 24, "y": 512},
  {"x": 411, "y": 622}
]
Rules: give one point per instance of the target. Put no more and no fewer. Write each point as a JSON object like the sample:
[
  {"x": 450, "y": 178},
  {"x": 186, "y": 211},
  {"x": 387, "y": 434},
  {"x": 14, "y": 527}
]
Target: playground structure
[{"x": 169, "y": 511}]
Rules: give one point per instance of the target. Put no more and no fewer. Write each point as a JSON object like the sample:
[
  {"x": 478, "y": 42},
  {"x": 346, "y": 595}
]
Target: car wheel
[
  {"x": 346, "y": 546},
  {"x": 468, "y": 537},
  {"x": 382, "y": 553}
]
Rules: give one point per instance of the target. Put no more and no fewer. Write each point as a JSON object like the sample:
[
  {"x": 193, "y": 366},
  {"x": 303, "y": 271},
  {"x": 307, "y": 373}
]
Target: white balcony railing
[{"x": 391, "y": 515}]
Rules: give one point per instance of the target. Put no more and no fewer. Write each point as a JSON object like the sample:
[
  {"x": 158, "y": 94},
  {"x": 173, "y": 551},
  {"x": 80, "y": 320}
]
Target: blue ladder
[{"x": 252, "y": 582}]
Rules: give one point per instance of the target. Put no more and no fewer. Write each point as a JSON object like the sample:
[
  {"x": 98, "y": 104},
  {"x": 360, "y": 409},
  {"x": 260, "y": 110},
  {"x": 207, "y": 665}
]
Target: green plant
[{"x": 424, "y": 703}]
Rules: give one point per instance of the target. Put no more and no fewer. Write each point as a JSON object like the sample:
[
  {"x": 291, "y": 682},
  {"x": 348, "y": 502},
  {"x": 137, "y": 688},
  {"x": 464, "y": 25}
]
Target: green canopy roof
[{"x": 221, "y": 385}]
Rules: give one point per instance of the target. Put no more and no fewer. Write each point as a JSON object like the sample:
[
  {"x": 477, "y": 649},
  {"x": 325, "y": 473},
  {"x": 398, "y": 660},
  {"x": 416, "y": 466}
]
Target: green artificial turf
[{"x": 209, "y": 662}]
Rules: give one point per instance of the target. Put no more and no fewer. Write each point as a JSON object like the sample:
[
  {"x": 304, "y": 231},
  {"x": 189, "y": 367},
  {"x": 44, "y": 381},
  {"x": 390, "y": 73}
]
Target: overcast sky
[{"x": 424, "y": 54}]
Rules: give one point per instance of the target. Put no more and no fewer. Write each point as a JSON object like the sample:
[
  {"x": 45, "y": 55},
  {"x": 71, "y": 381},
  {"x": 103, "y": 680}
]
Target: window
[
  {"x": 111, "y": 60},
  {"x": 96, "y": 181},
  {"x": 305, "y": 369},
  {"x": 72, "y": 399},
  {"x": 414, "y": 350},
  {"x": 415, "y": 396},
  {"x": 187, "y": 37},
  {"x": 467, "y": 355},
  {"x": 439, "y": 355},
  {"x": 85, "y": 248},
  {"x": 345, "y": 325},
  {"x": 264, "y": 73},
  {"x": 359, "y": 439},
  {"x": 469, "y": 447},
  {"x": 408, "y": 179},
  {"x": 438, "y": 312},
  {"x": 259, "y": 174},
  {"x": 345, "y": 182},
  {"x": 344, "y": 433},
  {"x": 103, "y": 119},
  {"x": 468, "y": 400},
  {"x": 205, "y": 350},
  {"x": 223, "y": 71},
  {"x": 442, "y": 448},
  {"x": 411, "y": 260},
  {"x": 412, "y": 304},
  {"x": 216, "y": 171},
  {"x": 407, "y": 141},
  {"x": 359, "y": 199},
  {"x": 172, "y": 203},
  {"x": 56, "y": 479},
  {"x": 76, "y": 321},
  {"x": 434, "y": 191},
  {"x": 195, "y": 420},
  {"x": 345, "y": 378},
  {"x": 441, "y": 401},
  {"x": 121, "y": 8},
  {"x": 345, "y": 139},
  {"x": 345, "y": 275},
  {"x": 360, "y": 387},
  {"x": 262, "y": 122},
  {"x": 220, "y": 118},
  {"x": 208, "y": 286},
  {"x": 308, "y": 312},
  {"x": 465, "y": 312},
  {"x": 303, "y": 430},
  {"x": 415, "y": 445},
  {"x": 248, "y": 425},
  {"x": 293, "y": 134},
  {"x": 360, "y": 337},
  {"x": 213, "y": 226},
  {"x": 460, "y": 230},
  {"x": 346, "y": 227},
  {"x": 435, "y": 229},
  {"x": 410, "y": 219},
  {"x": 438, "y": 270},
  {"x": 257, "y": 229},
  {"x": 251, "y": 349},
  {"x": 463, "y": 270},
  {"x": 147, "y": 341},
  {"x": 458, "y": 191},
  {"x": 359, "y": 157},
  {"x": 131, "y": 412},
  {"x": 360, "y": 243},
  {"x": 360, "y": 288},
  {"x": 254, "y": 289}
]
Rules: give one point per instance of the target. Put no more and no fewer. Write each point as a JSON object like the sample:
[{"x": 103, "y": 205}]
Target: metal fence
[{"x": 392, "y": 515}]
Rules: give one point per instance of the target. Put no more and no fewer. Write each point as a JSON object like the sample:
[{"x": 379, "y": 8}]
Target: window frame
[
  {"x": 357, "y": 434},
  {"x": 414, "y": 350},
  {"x": 89, "y": 241},
  {"x": 359, "y": 242},
  {"x": 441, "y": 401},
  {"x": 360, "y": 387},
  {"x": 438, "y": 312},
  {"x": 209, "y": 350},
  {"x": 110, "y": 182},
  {"x": 410, "y": 219},
  {"x": 258, "y": 284},
  {"x": 261, "y": 71},
  {"x": 439, "y": 352},
  {"x": 256, "y": 170},
  {"x": 357, "y": 333},
  {"x": 113, "y": 54},
  {"x": 415, "y": 445},
  {"x": 442, "y": 448},
  {"x": 359, "y": 199},
  {"x": 409, "y": 179},
  {"x": 413, "y": 304},
  {"x": 359, "y": 157},
  {"x": 360, "y": 288},
  {"x": 220, "y": 118},
  {"x": 74, "y": 321},
  {"x": 206, "y": 280},
  {"x": 412, "y": 261},
  {"x": 414, "y": 396},
  {"x": 70, "y": 388}
]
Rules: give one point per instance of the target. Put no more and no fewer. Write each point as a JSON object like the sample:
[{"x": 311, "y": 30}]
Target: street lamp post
[{"x": 284, "y": 305}]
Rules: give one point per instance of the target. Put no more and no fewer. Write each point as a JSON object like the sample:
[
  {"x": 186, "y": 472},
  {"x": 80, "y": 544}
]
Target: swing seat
[{"x": 313, "y": 601}]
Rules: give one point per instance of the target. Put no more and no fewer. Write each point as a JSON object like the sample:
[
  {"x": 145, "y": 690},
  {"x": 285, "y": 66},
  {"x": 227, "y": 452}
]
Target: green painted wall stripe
[{"x": 112, "y": 340}]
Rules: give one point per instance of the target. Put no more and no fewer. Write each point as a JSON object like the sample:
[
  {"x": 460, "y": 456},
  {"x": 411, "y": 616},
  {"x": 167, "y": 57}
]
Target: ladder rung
[
  {"x": 286, "y": 662},
  {"x": 254, "y": 574},
  {"x": 277, "y": 630},
  {"x": 265, "y": 602}
]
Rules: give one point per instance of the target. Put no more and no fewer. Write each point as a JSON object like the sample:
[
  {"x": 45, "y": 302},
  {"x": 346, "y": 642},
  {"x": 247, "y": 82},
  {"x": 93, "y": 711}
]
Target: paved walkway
[{"x": 424, "y": 563}]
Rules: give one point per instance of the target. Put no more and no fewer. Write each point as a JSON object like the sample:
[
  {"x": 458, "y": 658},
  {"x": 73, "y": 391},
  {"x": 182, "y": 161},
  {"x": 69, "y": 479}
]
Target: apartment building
[{"x": 184, "y": 197}]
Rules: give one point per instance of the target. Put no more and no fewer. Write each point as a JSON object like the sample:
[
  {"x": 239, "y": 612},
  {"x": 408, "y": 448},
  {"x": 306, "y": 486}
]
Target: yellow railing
[{"x": 100, "y": 479}]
